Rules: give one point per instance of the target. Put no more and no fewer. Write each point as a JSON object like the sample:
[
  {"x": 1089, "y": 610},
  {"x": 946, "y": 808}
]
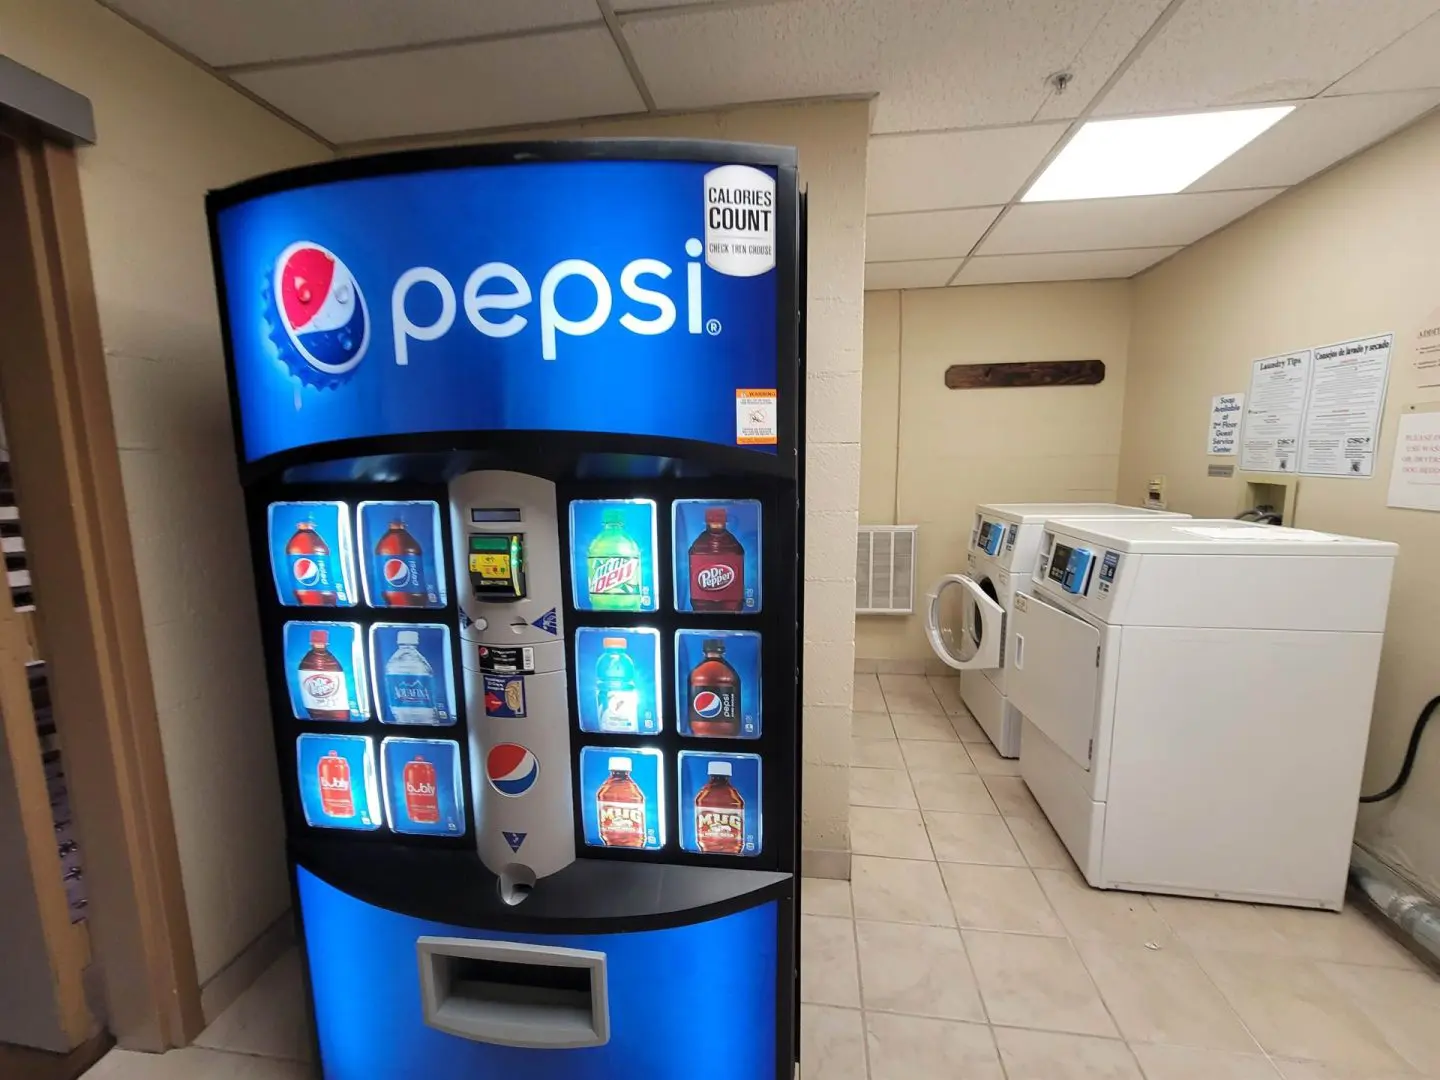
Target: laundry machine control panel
[
  {"x": 1084, "y": 576},
  {"x": 989, "y": 536}
]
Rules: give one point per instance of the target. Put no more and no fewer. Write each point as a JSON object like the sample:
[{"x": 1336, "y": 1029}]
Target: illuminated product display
[{"x": 519, "y": 432}]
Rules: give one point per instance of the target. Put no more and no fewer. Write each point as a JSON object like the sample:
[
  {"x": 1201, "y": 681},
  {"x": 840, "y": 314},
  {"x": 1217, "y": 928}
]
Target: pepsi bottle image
[
  {"x": 400, "y": 568},
  {"x": 714, "y": 695},
  {"x": 310, "y": 570}
]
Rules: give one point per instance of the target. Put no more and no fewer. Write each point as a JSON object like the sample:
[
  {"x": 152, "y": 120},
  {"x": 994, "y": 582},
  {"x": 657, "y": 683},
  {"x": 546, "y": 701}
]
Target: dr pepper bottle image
[
  {"x": 335, "y": 795},
  {"x": 400, "y": 568},
  {"x": 310, "y": 573},
  {"x": 323, "y": 689},
  {"x": 422, "y": 803},
  {"x": 621, "y": 805},
  {"x": 714, "y": 694},
  {"x": 717, "y": 566},
  {"x": 719, "y": 813}
]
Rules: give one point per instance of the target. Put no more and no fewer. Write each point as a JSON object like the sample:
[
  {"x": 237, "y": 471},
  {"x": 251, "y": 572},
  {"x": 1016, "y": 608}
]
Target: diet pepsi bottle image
[
  {"x": 324, "y": 691},
  {"x": 714, "y": 695},
  {"x": 719, "y": 813},
  {"x": 336, "y": 798},
  {"x": 621, "y": 807},
  {"x": 422, "y": 803},
  {"x": 410, "y": 682},
  {"x": 400, "y": 568},
  {"x": 617, "y": 700},
  {"x": 310, "y": 572},
  {"x": 717, "y": 566}
]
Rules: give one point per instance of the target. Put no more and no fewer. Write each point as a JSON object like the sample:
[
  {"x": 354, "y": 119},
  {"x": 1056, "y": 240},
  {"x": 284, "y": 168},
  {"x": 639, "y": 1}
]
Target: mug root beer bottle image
[
  {"x": 323, "y": 689},
  {"x": 621, "y": 805},
  {"x": 717, "y": 566},
  {"x": 714, "y": 695},
  {"x": 400, "y": 568},
  {"x": 422, "y": 804},
  {"x": 719, "y": 813},
  {"x": 336, "y": 798},
  {"x": 612, "y": 567},
  {"x": 309, "y": 558}
]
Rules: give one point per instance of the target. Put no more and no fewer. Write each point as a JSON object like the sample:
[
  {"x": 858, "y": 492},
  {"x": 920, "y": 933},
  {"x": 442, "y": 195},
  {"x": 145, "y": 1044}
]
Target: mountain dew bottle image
[
  {"x": 612, "y": 564},
  {"x": 617, "y": 701}
]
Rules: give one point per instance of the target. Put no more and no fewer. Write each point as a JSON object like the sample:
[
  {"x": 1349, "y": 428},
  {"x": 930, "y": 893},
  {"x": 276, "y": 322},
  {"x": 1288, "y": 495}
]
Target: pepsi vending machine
[{"x": 520, "y": 433}]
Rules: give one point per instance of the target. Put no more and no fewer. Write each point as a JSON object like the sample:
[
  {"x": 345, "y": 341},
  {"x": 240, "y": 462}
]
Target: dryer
[
  {"x": 966, "y": 614},
  {"x": 1197, "y": 699}
]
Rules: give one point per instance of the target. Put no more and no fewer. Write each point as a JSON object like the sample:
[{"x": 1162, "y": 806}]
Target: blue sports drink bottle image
[{"x": 617, "y": 698}]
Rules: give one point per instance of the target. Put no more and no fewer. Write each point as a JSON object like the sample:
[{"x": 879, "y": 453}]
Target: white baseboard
[{"x": 254, "y": 960}]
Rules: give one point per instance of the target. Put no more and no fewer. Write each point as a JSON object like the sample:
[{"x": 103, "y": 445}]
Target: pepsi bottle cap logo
[{"x": 323, "y": 326}]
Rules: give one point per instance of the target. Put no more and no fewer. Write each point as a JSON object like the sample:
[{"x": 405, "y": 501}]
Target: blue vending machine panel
[
  {"x": 691, "y": 1002},
  {"x": 629, "y": 297}
]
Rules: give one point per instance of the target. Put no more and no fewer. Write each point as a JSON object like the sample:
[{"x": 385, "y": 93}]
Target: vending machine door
[{"x": 977, "y": 645}]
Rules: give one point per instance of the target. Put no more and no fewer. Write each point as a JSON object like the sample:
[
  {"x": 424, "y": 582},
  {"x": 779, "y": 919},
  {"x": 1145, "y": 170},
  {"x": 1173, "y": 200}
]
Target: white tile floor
[
  {"x": 967, "y": 947},
  {"x": 974, "y": 949}
]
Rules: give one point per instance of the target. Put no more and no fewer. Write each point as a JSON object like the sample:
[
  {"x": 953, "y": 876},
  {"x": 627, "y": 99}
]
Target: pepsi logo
[
  {"x": 307, "y": 571},
  {"x": 707, "y": 704},
  {"x": 715, "y": 578},
  {"x": 397, "y": 572},
  {"x": 511, "y": 769},
  {"x": 321, "y": 308}
]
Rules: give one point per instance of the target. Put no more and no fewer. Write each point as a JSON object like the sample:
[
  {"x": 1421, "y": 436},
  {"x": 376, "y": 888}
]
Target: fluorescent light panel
[{"x": 1150, "y": 155}]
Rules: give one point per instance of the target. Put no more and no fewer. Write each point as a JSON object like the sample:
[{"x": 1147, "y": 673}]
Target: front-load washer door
[
  {"x": 1053, "y": 676},
  {"x": 975, "y": 644}
]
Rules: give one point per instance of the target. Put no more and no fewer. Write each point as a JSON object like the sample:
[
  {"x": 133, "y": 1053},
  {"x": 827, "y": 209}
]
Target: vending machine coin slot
[{"x": 497, "y": 566}]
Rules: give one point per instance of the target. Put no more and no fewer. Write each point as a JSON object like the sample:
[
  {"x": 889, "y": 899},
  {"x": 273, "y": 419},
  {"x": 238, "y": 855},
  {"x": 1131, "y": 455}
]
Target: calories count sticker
[{"x": 739, "y": 221}]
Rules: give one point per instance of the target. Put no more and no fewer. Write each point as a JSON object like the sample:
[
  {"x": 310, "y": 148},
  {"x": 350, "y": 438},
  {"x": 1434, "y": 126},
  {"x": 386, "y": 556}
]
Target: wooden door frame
[{"x": 66, "y": 467}]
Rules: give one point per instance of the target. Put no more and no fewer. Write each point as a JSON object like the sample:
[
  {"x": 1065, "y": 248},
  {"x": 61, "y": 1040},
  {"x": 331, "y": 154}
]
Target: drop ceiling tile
[
  {"x": 931, "y": 234},
  {"x": 933, "y": 63},
  {"x": 1119, "y": 31},
  {"x": 1102, "y": 224},
  {"x": 1231, "y": 52},
  {"x": 1317, "y": 134},
  {"x": 456, "y": 88},
  {"x": 938, "y": 170},
  {"x": 1412, "y": 63},
  {"x": 222, "y": 32},
  {"x": 915, "y": 274},
  {"x": 1061, "y": 266}
]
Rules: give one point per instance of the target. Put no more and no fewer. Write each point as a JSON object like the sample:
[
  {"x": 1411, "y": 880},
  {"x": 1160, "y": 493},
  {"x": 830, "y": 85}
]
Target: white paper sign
[
  {"x": 1415, "y": 475},
  {"x": 1343, "y": 408},
  {"x": 1274, "y": 413},
  {"x": 1226, "y": 413}
]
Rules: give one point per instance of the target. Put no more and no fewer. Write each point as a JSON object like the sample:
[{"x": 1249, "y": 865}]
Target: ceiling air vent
[{"x": 885, "y": 570}]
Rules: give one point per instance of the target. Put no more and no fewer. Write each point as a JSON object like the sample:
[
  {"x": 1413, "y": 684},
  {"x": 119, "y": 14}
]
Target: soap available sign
[
  {"x": 437, "y": 301},
  {"x": 1226, "y": 411}
]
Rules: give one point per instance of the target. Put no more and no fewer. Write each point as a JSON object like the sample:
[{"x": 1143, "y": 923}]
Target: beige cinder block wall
[
  {"x": 1352, "y": 253},
  {"x": 930, "y": 454},
  {"x": 832, "y": 139},
  {"x": 167, "y": 133}
]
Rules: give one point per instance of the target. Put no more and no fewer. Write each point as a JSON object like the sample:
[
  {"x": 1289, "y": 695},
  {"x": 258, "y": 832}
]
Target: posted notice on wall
[
  {"x": 1343, "y": 407},
  {"x": 1415, "y": 475},
  {"x": 1226, "y": 411},
  {"x": 1275, "y": 413}
]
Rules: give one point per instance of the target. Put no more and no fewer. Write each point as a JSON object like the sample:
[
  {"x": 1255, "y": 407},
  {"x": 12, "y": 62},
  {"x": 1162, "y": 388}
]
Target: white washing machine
[
  {"x": 966, "y": 613},
  {"x": 1197, "y": 699}
]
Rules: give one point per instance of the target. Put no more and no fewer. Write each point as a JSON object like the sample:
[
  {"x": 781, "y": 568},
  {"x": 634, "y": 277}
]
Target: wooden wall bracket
[{"x": 1029, "y": 373}]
